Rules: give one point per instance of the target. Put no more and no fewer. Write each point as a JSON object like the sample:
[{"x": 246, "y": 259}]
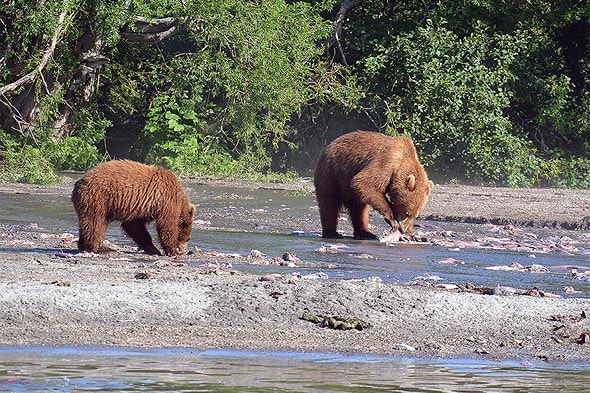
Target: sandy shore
[{"x": 50, "y": 295}]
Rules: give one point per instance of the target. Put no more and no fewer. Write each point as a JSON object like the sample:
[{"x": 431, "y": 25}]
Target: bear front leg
[
  {"x": 168, "y": 234},
  {"x": 382, "y": 205},
  {"x": 137, "y": 231},
  {"x": 370, "y": 188},
  {"x": 359, "y": 216},
  {"x": 378, "y": 201}
]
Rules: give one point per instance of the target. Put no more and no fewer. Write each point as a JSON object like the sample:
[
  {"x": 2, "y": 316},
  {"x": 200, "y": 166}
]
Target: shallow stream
[
  {"x": 276, "y": 222},
  {"x": 185, "y": 370},
  {"x": 235, "y": 221}
]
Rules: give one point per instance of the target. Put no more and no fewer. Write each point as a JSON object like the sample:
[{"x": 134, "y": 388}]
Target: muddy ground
[{"x": 50, "y": 295}]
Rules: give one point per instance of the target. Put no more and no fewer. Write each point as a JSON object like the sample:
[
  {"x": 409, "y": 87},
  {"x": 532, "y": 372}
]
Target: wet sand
[{"x": 51, "y": 295}]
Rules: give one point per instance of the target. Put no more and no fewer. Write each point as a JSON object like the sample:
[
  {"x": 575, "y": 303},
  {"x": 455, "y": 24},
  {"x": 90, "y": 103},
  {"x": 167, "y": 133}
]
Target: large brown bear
[
  {"x": 362, "y": 169},
  {"x": 135, "y": 194}
]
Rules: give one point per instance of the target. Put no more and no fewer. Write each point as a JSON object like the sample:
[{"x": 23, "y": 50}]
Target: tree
[
  {"x": 492, "y": 92},
  {"x": 485, "y": 88},
  {"x": 200, "y": 81}
]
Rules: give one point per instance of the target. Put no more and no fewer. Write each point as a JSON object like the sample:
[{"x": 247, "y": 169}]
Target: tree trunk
[
  {"x": 334, "y": 40},
  {"x": 84, "y": 82}
]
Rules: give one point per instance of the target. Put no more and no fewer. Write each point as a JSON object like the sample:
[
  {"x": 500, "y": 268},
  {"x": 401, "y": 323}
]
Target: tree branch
[
  {"x": 154, "y": 30},
  {"x": 44, "y": 60},
  {"x": 345, "y": 6}
]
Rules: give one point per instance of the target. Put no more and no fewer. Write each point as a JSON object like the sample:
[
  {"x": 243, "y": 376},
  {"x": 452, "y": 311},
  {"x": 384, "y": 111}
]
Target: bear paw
[{"x": 365, "y": 235}]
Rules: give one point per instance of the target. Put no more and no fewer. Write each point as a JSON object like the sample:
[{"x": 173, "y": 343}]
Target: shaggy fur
[
  {"x": 362, "y": 169},
  {"x": 134, "y": 194}
]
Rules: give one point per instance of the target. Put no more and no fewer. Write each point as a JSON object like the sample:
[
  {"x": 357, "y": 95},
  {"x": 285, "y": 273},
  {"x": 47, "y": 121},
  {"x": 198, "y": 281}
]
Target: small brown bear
[
  {"x": 362, "y": 169},
  {"x": 135, "y": 194}
]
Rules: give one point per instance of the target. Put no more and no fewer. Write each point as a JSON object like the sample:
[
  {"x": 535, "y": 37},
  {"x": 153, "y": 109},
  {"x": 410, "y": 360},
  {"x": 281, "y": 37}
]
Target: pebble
[
  {"x": 331, "y": 248},
  {"x": 517, "y": 267},
  {"x": 271, "y": 277},
  {"x": 446, "y": 286},
  {"x": 303, "y": 233},
  {"x": 403, "y": 347},
  {"x": 315, "y": 276},
  {"x": 256, "y": 254},
  {"x": 290, "y": 257},
  {"x": 583, "y": 276},
  {"x": 450, "y": 261}
]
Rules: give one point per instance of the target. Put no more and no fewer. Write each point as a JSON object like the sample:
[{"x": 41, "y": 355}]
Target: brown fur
[
  {"x": 362, "y": 169},
  {"x": 134, "y": 194}
]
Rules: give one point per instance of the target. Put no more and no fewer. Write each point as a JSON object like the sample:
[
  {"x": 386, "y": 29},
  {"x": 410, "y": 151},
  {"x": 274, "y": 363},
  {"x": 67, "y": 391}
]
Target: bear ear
[
  {"x": 411, "y": 183},
  {"x": 191, "y": 210},
  {"x": 430, "y": 185}
]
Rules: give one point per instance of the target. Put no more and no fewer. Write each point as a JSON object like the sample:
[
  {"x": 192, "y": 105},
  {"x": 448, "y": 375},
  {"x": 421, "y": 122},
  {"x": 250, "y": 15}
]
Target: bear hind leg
[
  {"x": 329, "y": 211},
  {"x": 137, "y": 231},
  {"x": 359, "y": 216}
]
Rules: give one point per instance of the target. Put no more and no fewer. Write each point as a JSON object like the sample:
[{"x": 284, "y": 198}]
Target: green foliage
[
  {"x": 72, "y": 153},
  {"x": 492, "y": 92},
  {"x": 450, "y": 97},
  {"x": 22, "y": 163},
  {"x": 259, "y": 79},
  {"x": 28, "y": 165},
  {"x": 486, "y": 96},
  {"x": 226, "y": 90},
  {"x": 566, "y": 173},
  {"x": 173, "y": 129}
]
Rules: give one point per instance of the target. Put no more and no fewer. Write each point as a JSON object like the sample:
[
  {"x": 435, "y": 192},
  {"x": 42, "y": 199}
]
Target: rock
[
  {"x": 256, "y": 254},
  {"x": 336, "y": 322},
  {"x": 403, "y": 347}
]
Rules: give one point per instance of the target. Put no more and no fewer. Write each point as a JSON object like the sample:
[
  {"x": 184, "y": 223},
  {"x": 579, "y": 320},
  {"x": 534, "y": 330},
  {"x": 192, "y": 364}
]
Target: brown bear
[
  {"x": 135, "y": 194},
  {"x": 362, "y": 169}
]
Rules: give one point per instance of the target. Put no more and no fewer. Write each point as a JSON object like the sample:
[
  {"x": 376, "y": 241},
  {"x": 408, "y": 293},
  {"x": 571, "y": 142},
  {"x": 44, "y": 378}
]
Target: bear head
[{"x": 407, "y": 195}]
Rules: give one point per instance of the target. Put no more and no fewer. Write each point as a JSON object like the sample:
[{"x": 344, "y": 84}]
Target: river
[{"x": 275, "y": 222}]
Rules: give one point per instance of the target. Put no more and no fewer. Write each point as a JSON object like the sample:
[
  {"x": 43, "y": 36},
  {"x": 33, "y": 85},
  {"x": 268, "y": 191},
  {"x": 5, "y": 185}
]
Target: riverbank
[{"x": 51, "y": 295}]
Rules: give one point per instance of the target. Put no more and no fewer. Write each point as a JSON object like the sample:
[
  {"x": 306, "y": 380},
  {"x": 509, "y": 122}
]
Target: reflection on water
[{"x": 191, "y": 370}]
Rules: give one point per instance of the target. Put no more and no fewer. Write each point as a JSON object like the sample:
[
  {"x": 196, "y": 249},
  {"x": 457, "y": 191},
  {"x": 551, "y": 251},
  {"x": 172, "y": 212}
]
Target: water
[
  {"x": 190, "y": 370},
  {"x": 264, "y": 220},
  {"x": 402, "y": 263},
  {"x": 235, "y": 221}
]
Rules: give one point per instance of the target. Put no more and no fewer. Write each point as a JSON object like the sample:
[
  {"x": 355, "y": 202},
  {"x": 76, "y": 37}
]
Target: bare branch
[
  {"x": 154, "y": 30},
  {"x": 345, "y": 6},
  {"x": 44, "y": 60}
]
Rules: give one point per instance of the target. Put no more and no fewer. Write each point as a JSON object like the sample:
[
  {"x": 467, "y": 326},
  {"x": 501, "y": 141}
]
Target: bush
[
  {"x": 28, "y": 165},
  {"x": 565, "y": 172},
  {"x": 195, "y": 155},
  {"x": 449, "y": 95},
  {"x": 71, "y": 153}
]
